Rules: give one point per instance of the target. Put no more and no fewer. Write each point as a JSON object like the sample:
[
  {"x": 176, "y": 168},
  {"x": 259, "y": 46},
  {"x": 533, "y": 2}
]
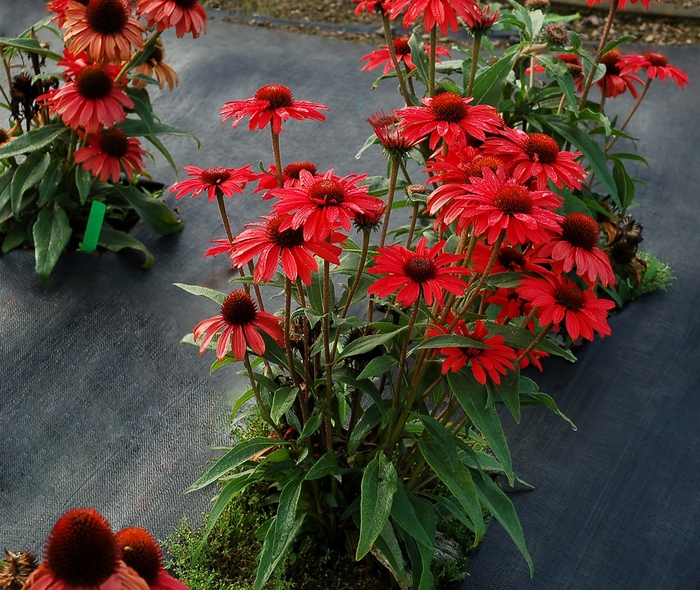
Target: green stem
[
  {"x": 603, "y": 41},
  {"x": 394, "y": 60},
  {"x": 287, "y": 330},
  {"x": 433, "y": 54},
  {"x": 414, "y": 218},
  {"x": 393, "y": 177},
  {"x": 326, "y": 343},
  {"x": 632, "y": 112},
  {"x": 534, "y": 343},
  {"x": 276, "y": 154},
  {"x": 146, "y": 48},
  {"x": 404, "y": 351},
  {"x": 261, "y": 406},
  {"x": 476, "y": 49}
]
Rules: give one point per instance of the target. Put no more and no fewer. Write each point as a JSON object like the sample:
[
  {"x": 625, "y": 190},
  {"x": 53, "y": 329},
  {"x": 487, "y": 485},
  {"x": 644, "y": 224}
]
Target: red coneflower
[
  {"x": 187, "y": 16},
  {"x": 511, "y": 305},
  {"x": 320, "y": 203},
  {"x": 578, "y": 247},
  {"x": 110, "y": 151},
  {"x": 275, "y": 103},
  {"x": 536, "y": 156},
  {"x": 226, "y": 180},
  {"x": 623, "y": 3},
  {"x": 105, "y": 29},
  {"x": 92, "y": 98},
  {"x": 155, "y": 66},
  {"x": 449, "y": 116},
  {"x": 574, "y": 67},
  {"x": 267, "y": 181},
  {"x": 240, "y": 324},
  {"x": 494, "y": 203},
  {"x": 481, "y": 19},
  {"x": 390, "y": 134},
  {"x": 654, "y": 64},
  {"x": 560, "y": 299},
  {"x": 402, "y": 50},
  {"x": 494, "y": 361},
  {"x": 287, "y": 247},
  {"x": 444, "y": 13},
  {"x": 141, "y": 553},
  {"x": 509, "y": 259},
  {"x": 372, "y": 6},
  {"x": 82, "y": 553},
  {"x": 425, "y": 271},
  {"x": 614, "y": 82}
]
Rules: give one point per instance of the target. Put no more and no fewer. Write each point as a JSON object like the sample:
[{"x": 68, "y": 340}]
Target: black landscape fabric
[{"x": 100, "y": 406}]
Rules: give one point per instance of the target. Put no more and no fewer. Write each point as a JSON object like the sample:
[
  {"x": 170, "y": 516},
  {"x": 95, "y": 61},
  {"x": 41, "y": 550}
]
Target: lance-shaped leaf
[
  {"x": 215, "y": 296},
  {"x": 377, "y": 493},
  {"x": 115, "y": 241},
  {"x": 28, "y": 175},
  {"x": 51, "y": 234},
  {"x": 450, "y": 341},
  {"x": 403, "y": 512},
  {"x": 510, "y": 393},
  {"x": 488, "y": 84},
  {"x": 32, "y": 141}
]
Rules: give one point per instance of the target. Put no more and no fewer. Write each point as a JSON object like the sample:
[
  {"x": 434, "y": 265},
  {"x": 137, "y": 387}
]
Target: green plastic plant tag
[{"x": 94, "y": 227}]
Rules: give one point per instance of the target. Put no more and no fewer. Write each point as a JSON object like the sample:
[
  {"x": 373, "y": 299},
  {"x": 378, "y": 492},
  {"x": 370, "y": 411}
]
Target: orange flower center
[
  {"x": 609, "y": 60},
  {"x": 580, "y": 231},
  {"x": 656, "y": 59},
  {"x": 449, "y": 107},
  {"x": 570, "y": 296},
  {"x": 114, "y": 143},
  {"x": 216, "y": 175},
  {"x": 401, "y": 46},
  {"x": 107, "y": 17},
  {"x": 511, "y": 258},
  {"x": 141, "y": 553},
  {"x": 419, "y": 269},
  {"x": 288, "y": 238},
  {"x": 542, "y": 148},
  {"x": 477, "y": 165},
  {"x": 513, "y": 199},
  {"x": 327, "y": 192},
  {"x": 239, "y": 308},
  {"x": 292, "y": 170},
  {"x": 93, "y": 83},
  {"x": 81, "y": 550},
  {"x": 279, "y": 97}
]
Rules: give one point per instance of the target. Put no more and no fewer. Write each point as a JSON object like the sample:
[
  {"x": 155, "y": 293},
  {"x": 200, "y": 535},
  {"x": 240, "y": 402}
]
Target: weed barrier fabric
[
  {"x": 100, "y": 406},
  {"x": 99, "y": 403}
]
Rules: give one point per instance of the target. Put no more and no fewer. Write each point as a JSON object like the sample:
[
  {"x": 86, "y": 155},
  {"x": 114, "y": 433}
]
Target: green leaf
[
  {"x": 388, "y": 545},
  {"x": 473, "y": 398},
  {"x": 617, "y": 42},
  {"x": 522, "y": 338},
  {"x": 377, "y": 492},
  {"x": 422, "y": 555},
  {"x": 247, "y": 396},
  {"x": 51, "y": 234},
  {"x": 458, "y": 481},
  {"x": 326, "y": 465},
  {"x": 29, "y": 46},
  {"x": 510, "y": 393},
  {"x": 625, "y": 184},
  {"x": 32, "y": 141},
  {"x": 378, "y": 366},
  {"x": 546, "y": 400},
  {"x": 450, "y": 341},
  {"x": 419, "y": 57},
  {"x": 281, "y": 534},
  {"x": 154, "y": 212},
  {"x": 504, "y": 280},
  {"x": 215, "y": 296},
  {"x": 371, "y": 418},
  {"x": 49, "y": 183},
  {"x": 488, "y": 84},
  {"x": 28, "y": 174},
  {"x": 371, "y": 140},
  {"x": 83, "y": 182},
  {"x": 589, "y": 148},
  {"x": 5, "y": 183},
  {"x": 404, "y": 514},
  {"x": 444, "y": 440},
  {"x": 367, "y": 343},
  {"x": 500, "y": 506},
  {"x": 14, "y": 237},
  {"x": 235, "y": 457},
  {"x": 312, "y": 425},
  {"x": 115, "y": 241},
  {"x": 282, "y": 400}
]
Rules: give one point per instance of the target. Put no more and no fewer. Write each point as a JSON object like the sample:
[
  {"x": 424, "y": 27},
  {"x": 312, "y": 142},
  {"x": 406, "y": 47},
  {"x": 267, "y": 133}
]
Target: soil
[{"x": 337, "y": 18}]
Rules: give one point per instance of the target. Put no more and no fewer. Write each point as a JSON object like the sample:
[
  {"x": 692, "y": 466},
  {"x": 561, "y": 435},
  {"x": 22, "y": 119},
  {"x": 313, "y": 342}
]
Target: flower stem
[
  {"x": 534, "y": 343},
  {"x": 277, "y": 156},
  {"x": 261, "y": 406},
  {"x": 603, "y": 41},
  {"x": 393, "y": 177},
  {"x": 392, "y": 53},
  {"x": 146, "y": 48},
  {"x": 326, "y": 343},
  {"x": 404, "y": 350},
  {"x": 433, "y": 55},
  {"x": 224, "y": 215},
  {"x": 476, "y": 49},
  {"x": 287, "y": 330},
  {"x": 632, "y": 112},
  {"x": 414, "y": 218}
]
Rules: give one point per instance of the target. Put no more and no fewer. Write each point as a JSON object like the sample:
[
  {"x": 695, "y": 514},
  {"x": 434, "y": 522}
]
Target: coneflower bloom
[
  {"x": 442, "y": 13},
  {"x": 272, "y": 103},
  {"x": 92, "y": 98},
  {"x": 105, "y": 29},
  {"x": 287, "y": 248},
  {"x": 577, "y": 247},
  {"x": 495, "y": 203},
  {"x": 426, "y": 272},
  {"x": 58, "y": 7},
  {"x": 211, "y": 180},
  {"x": 511, "y": 305},
  {"x": 109, "y": 152},
  {"x": 493, "y": 361},
  {"x": 141, "y": 553},
  {"x": 82, "y": 552},
  {"x": 449, "y": 116},
  {"x": 380, "y": 57},
  {"x": 239, "y": 324},
  {"x": 372, "y": 6},
  {"x": 320, "y": 203},
  {"x": 509, "y": 259},
  {"x": 655, "y": 65},
  {"x": 614, "y": 82},
  {"x": 623, "y": 3},
  {"x": 267, "y": 181},
  {"x": 536, "y": 156},
  {"x": 574, "y": 67},
  {"x": 390, "y": 134},
  {"x": 187, "y": 16},
  {"x": 481, "y": 20},
  {"x": 559, "y": 299},
  {"x": 154, "y": 66}
]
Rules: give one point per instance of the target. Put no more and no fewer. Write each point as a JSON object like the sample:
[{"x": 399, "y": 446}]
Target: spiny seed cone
[
  {"x": 449, "y": 107},
  {"x": 141, "y": 552},
  {"x": 81, "y": 549},
  {"x": 15, "y": 573}
]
